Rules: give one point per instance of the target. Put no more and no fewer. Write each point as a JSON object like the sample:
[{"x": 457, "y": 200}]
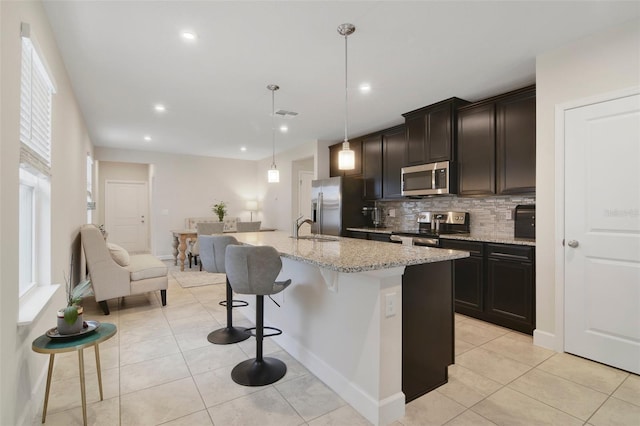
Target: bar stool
[
  {"x": 212, "y": 253},
  {"x": 253, "y": 270}
]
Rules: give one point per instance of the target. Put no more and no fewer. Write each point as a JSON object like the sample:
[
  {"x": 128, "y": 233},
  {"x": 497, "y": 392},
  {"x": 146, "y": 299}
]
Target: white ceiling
[{"x": 125, "y": 56}]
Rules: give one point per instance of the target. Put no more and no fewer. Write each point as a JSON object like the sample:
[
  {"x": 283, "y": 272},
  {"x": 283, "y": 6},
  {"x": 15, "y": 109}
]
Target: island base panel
[{"x": 427, "y": 327}]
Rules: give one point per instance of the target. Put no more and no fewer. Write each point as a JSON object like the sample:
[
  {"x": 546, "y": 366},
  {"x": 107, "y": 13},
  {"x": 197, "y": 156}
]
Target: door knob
[{"x": 573, "y": 243}]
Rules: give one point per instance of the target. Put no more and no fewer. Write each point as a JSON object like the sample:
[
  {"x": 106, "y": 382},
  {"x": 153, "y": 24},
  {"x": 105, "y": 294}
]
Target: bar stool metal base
[
  {"x": 258, "y": 373},
  {"x": 228, "y": 335}
]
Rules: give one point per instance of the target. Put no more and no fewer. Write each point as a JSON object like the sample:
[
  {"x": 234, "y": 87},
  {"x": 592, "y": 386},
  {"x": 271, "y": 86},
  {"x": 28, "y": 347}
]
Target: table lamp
[{"x": 252, "y": 206}]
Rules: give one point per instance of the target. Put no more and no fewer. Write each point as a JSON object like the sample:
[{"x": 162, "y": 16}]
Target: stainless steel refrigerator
[{"x": 336, "y": 204}]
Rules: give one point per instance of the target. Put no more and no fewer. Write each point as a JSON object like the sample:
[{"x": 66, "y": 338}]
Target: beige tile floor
[{"x": 159, "y": 369}]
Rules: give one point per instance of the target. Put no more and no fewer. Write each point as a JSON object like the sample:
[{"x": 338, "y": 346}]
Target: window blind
[{"x": 36, "y": 90}]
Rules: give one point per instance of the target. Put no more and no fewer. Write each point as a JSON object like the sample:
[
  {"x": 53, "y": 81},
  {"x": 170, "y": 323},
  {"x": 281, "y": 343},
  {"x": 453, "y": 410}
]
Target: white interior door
[
  {"x": 304, "y": 193},
  {"x": 126, "y": 214},
  {"x": 602, "y": 232}
]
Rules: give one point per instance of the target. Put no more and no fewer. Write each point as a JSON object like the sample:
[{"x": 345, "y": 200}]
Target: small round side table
[{"x": 47, "y": 345}]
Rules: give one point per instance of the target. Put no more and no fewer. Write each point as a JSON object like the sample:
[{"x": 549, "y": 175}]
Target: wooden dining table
[{"x": 180, "y": 244}]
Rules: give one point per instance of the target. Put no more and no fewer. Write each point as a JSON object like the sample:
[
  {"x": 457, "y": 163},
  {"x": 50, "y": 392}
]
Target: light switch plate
[{"x": 390, "y": 300}]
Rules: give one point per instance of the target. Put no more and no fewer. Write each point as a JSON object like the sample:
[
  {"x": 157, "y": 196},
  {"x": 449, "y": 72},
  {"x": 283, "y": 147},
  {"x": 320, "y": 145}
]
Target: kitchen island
[{"x": 342, "y": 316}]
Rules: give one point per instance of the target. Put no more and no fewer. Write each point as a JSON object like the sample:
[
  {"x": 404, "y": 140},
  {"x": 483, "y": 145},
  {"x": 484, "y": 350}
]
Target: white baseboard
[
  {"x": 165, "y": 257},
  {"x": 545, "y": 340}
]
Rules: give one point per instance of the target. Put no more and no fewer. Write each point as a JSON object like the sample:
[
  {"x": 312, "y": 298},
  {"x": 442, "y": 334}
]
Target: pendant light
[
  {"x": 346, "y": 156},
  {"x": 273, "y": 176}
]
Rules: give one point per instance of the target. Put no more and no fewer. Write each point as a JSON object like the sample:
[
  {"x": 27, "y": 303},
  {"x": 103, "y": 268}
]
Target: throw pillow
[{"x": 118, "y": 254}]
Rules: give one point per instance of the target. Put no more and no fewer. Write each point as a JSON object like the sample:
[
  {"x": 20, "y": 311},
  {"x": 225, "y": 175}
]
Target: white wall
[
  {"x": 601, "y": 63},
  {"x": 276, "y": 199},
  {"x": 22, "y": 371},
  {"x": 187, "y": 186}
]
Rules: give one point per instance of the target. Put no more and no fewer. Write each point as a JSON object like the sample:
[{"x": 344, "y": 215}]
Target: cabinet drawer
[
  {"x": 379, "y": 236},
  {"x": 474, "y": 248},
  {"x": 510, "y": 252}
]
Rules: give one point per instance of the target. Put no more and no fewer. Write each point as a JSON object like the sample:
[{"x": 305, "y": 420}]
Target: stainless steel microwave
[{"x": 429, "y": 179}]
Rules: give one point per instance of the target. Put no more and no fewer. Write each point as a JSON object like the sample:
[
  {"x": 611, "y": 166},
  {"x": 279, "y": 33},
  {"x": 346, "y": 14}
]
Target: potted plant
[
  {"x": 70, "y": 318},
  {"x": 220, "y": 209}
]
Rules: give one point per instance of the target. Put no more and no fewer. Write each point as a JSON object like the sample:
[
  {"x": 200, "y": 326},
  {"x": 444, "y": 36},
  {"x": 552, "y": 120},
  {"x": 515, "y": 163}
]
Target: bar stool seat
[
  {"x": 253, "y": 270},
  {"x": 212, "y": 253}
]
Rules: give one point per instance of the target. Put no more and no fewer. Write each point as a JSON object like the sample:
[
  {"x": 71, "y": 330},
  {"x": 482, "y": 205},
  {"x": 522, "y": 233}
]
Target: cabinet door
[
  {"x": 394, "y": 158},
  {"x": 516, "y": 144},
  {"x": 476, "y": 150},
  {"x": 438, "y": 138},
  {"x": 356, "y": 146},
  {"x": 510, "y": 287},
  {"x": 468, "y": 277},
  {"x": 416, "y": 128},
  {"x": 372, "y": 167}
]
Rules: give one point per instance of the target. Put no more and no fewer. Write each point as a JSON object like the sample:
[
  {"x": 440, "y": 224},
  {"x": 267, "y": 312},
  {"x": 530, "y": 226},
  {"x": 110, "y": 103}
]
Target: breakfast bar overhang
[{"x": 342, "y": 315}]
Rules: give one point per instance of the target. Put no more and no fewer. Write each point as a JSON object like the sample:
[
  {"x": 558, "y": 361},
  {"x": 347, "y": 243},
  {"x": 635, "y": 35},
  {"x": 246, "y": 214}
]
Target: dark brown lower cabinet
[
  {"x": 468, "y": 276},
  {"x": 427, "y": 327},
  {"x": 496, "y": 283},
  {"x": 510, "y": 287}
]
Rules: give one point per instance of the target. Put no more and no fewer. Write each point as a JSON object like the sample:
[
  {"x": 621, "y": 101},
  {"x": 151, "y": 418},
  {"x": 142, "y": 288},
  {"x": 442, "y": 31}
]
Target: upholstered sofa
[{"x": 114, "y": 273}]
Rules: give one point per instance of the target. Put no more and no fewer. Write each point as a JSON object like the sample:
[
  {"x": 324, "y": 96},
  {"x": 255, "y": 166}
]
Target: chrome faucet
[{"x": 299, "y": 223}]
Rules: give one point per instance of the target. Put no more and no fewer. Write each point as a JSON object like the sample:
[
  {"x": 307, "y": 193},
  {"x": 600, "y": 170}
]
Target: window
[{"x": 36, "y": 90}]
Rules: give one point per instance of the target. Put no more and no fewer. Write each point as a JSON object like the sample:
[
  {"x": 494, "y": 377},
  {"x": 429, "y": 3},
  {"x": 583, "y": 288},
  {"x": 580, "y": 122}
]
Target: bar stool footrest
[
  {"x": 252, "y": 331},
  {"x": 234, "y": 303}
]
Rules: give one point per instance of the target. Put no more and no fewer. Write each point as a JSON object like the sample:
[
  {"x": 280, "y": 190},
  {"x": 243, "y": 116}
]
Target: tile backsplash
[{"x": 490, "y": 215}]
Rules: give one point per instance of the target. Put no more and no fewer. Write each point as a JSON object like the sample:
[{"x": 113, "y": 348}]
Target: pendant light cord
[
  {"x": 273, "y": 130},
  {"x": 346, "y": 91}
]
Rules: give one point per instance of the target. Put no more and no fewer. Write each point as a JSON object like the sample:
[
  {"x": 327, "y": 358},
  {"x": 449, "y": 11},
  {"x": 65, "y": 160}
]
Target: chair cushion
[
  {"x": 143, "y": 266},
  {"x": 118, "y": 254}
]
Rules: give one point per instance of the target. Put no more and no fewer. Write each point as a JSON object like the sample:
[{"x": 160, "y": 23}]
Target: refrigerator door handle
[{"x": 320, "y": 207}]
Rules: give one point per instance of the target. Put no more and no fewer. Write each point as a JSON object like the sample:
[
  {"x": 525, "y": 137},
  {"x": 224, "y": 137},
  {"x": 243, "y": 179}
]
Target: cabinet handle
[{"x": 508, "y": 256}]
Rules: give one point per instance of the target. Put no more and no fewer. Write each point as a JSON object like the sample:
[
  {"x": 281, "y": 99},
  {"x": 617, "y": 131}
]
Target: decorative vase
[{"x": 66, "y": 328}]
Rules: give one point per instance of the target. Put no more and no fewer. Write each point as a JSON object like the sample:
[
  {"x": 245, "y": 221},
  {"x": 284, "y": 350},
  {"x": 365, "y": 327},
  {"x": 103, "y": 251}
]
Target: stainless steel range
[{"x": 431, "y": 225}]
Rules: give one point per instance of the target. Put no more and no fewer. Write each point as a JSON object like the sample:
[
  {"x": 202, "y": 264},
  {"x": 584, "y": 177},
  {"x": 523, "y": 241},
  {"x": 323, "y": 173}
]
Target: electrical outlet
[
  {"x": 392, "y": 213},
  {"x": 508, "y": 215},
  {"x": 390, "y": 304}
]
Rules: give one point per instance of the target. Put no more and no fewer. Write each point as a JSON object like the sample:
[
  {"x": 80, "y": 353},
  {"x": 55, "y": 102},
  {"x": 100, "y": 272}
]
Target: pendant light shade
[
  {"x": 346, "y": 156},
  {"x": 273, "y": 175}
]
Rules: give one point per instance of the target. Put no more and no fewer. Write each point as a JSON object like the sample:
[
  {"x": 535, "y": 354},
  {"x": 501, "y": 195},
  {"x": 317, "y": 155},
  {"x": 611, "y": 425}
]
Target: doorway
[
  {"x": 127, "y": 214},
  {"x": 601, "y": 256}
]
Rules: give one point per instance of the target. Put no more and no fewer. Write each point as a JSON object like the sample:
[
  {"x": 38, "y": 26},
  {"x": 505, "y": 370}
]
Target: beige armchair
[{"x": 114, "y": 273}]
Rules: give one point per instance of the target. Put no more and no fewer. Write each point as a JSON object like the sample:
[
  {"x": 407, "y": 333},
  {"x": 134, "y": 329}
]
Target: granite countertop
[
  {"x": 490, "y": 238},
  {"x": 482, "y": 237},
  {"x": 348, "y": 254}
]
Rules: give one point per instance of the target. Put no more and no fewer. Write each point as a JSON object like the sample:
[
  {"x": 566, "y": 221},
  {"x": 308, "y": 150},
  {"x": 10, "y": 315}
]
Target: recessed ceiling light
[
  {"x": 284, "y": 129},
  {"x": 189, "y": 35},
  {"x": 365, "y": 88},
  {"x": 147, "y": 138},
  {"x": 243, "y": 148},
  {"x": 160, "y": 108}
]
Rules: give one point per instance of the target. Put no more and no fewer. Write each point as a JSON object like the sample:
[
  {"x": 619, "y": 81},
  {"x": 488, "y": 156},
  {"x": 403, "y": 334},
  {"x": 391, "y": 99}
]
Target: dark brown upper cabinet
[
  {"x": 356, "y": 146},
  {"x": 372, "y": 166},
  {"x": 516, "y": 144},
  {"x": 497, "y": 145},
  {"x": 431, "y": 132},
  {"x": 477, "y": 150},
  {"x": 394, "y": 151}
]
